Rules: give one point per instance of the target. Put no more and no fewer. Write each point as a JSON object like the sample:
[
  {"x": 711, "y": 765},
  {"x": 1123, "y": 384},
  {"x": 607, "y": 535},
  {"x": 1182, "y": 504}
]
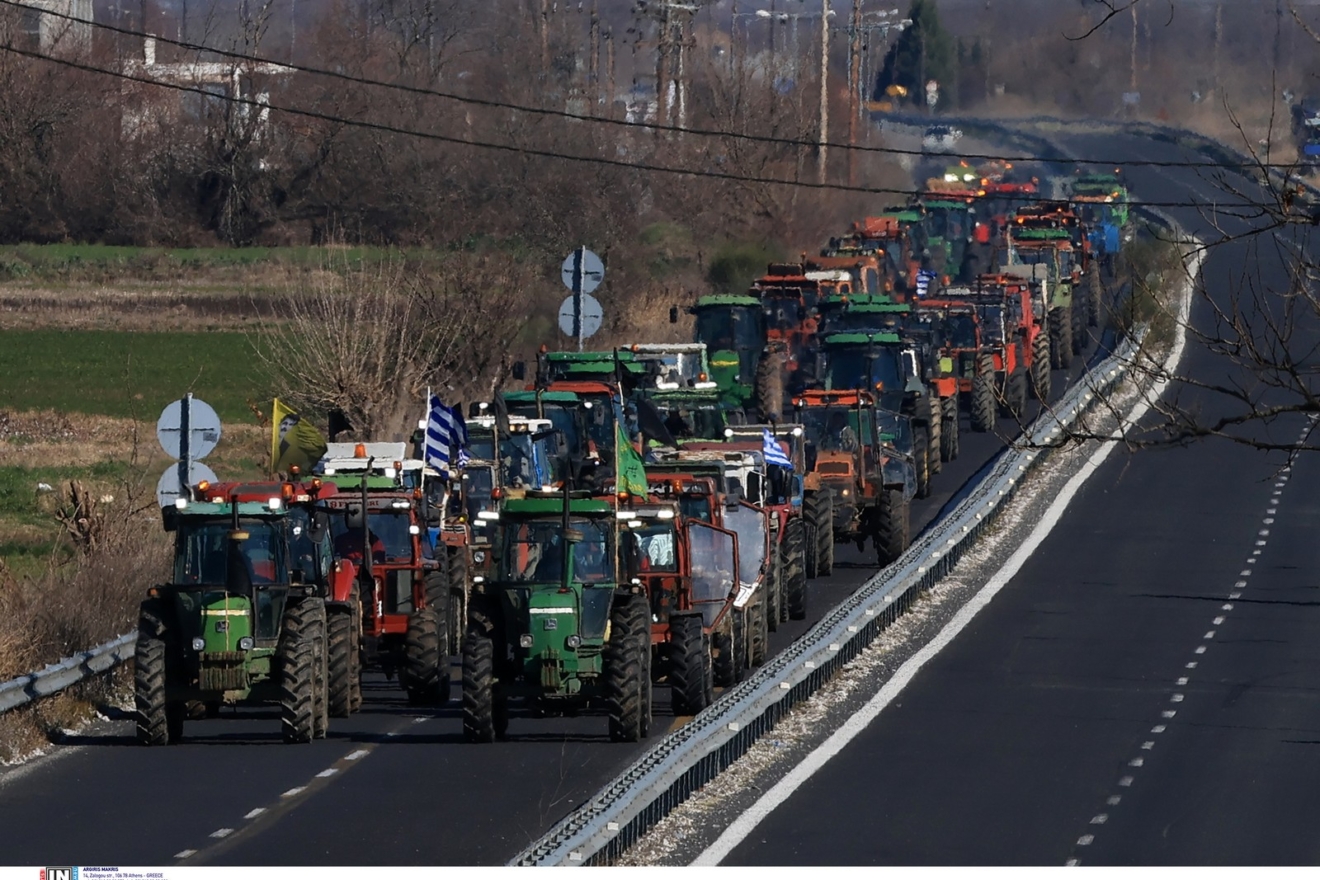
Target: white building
[{"x": 54, "y": 33}]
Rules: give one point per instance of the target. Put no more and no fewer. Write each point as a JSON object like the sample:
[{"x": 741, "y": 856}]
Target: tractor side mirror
[
  {"x": 673, "y": 314},
  {"x": 519, "y": 370}
]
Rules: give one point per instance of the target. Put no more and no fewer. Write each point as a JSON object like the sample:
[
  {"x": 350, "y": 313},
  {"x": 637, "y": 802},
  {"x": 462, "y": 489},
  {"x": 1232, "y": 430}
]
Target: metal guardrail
[
  {"x": 71, "y": 670},
  {"x": 685, "y": 760}
]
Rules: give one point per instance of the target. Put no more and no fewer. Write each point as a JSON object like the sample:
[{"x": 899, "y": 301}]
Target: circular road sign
[
  {"x": 591, "y": 316},
  {"x": 168, "y": 490},
  {"x": 593, "y": 271},
  {"x": 203, "y": 429}
]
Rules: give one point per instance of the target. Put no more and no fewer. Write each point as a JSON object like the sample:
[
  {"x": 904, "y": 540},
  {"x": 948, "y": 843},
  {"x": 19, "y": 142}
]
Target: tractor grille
[{"x": 222, "y": 671}]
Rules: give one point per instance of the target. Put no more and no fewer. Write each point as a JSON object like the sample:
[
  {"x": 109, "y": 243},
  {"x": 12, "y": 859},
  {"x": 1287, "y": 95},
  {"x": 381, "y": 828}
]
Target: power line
[
  {"x": 530, "y": 151},
  {"x": 606, "y": 120}
]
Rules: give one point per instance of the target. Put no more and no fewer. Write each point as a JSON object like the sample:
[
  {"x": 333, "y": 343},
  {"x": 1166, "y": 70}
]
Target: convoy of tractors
[{"x": 641, "y": 516}]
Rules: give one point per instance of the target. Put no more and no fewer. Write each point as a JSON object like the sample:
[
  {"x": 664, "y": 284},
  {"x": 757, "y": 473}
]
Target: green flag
[
  {"x": 294, "y": 441},
  {"x": 631, "y": 473}
]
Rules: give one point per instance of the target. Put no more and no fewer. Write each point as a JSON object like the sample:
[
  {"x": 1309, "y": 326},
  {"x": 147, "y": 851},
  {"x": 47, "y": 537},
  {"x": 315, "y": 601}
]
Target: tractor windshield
[
  {"x": 387, "y": 530},
  {"x": 600, "y": 415},
  {"x": 831, "y": 427},
  {"x": 533, "y": 551},
  {"x": 205, "y": 554},
  {"x": 992, "y": 324},
  {"x": 714, "y": 559},
  {"x": 653, "y": 547},
  {"x": 687, "y": 421},
  {"x": 863, "y": 368},
  {"x": 961, "y": 328},
  {"x": 733, "y": 328},
  {"x": 478, "y": 483},
  {"x": 563, "y": 417},
  {"x": 749, "y": 524},
  {"x": 783, "y": 308},
  {"x": 895, "y": 430}
]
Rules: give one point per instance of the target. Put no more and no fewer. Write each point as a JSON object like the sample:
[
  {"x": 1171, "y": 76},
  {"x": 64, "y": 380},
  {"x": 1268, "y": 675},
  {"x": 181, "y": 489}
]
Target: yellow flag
[{"x": 293, "y": 441}]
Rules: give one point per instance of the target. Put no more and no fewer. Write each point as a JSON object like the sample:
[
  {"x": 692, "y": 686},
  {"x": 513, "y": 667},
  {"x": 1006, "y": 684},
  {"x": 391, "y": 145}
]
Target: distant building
[{"x": 54, "y": 33}]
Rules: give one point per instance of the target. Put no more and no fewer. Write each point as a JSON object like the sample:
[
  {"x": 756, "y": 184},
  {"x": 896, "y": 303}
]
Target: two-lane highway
[{"x": 1143, "y": 690}]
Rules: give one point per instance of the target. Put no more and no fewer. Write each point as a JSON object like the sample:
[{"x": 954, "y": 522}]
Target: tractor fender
[{"x": 342, "y": 580}]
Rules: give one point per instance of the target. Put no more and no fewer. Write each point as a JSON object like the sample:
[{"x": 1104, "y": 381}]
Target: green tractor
[
  {"x": 1041, "y": 248},
  {"x": 733, "y": 328},
  {"x": 552, "y": 624},
  {"x": 243, "y": 620}
]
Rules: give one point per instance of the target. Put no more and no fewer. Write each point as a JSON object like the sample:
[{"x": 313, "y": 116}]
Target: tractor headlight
[
  {"x": 573, "y": 641},
  {"x": 198, "y": 643},
  {"x": 479, "y": 556},
  {"x": 525, "y": 640},
  {"x": 245, "y": 643}
]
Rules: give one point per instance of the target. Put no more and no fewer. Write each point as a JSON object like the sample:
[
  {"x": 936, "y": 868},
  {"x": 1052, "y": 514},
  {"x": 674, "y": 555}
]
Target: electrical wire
[{"x": 610, "y": 121}]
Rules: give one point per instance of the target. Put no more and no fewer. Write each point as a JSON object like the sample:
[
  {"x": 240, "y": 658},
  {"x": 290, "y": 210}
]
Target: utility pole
[
  {"x": 1133, "y": 84},
  {"x": 854, "y": 86},
  {"x": 545, "y": 38},
  {"x": 609, "y": 73},
  {"x": 824, "y": 89},
  {"x": 1219, "y": 39},
  {"x": 662, "y": 69},
  {"x": 593, "y": 62}
]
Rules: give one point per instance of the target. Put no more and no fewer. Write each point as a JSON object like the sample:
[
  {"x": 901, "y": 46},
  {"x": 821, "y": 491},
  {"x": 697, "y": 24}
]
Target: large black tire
[
  {"x": 825, "y": 535},
  {"x": 770, "y": 380},
  {"x": 1079, "y": 312},
  {"x": 626, "y": 662},
  {"x": 775, "y": 592},
  {"x": 921, "y": 459},
  {"x": 893, "y": 527},
  {"x": 813, "y": 515},
  {"x": 983, "y": 395},
  {"x": 949, "y": 444},
  {"x": 1015, "y": 395},
  {"x": 796, "y": 589},
  {"x": 355, "y": 681},
  {"x": 689, "y": 664},
  {"x": 342, "y": 660},
  {"x": 425, "y": 673},
  {"x": 933, "y": 413},
  {"x": 723, "y": 652},
  {"x": 153, "y": 721},
  {"x": 296, "y": 660},
  {"x": 479, "y": 687},
  {"x": 758, "y": 630},
  {"x": 1040, "y": 367},
  {"x": 1060, "y": 322},
  {"x": 458, "y": 593},
  {"x": 1095, "y": 294}
]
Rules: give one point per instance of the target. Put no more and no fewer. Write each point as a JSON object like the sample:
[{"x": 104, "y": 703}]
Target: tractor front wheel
[
  {"x": 723, "y": 654},
  {"x": 479, "y": 716},
  {"x": 949, "y": 445},
  {"x": 342, "y": 660},
  {"x": 296, "y": 659},
  {"x": 796, "y": 571},
  {"x": 983, "y": 396},
  {"x": 825, "y": 535},
  {"x": 154, "y": 721},
  {"x": 1040, "y": 367},
  {"x": 424, "y": 677},
  {"x": 627, "y": 668},
  {"x": 894, "y": 525},
  {"x": 1061, "y": 353},
  {"x": 921, "y": 459}
]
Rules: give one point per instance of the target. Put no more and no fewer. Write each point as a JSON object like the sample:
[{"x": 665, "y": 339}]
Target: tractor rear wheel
[
  {"x": 921, "y": 459},
  {"x": 774, "y": 582},
  {"x": 933, "y": 413},
  {"x": 1040, "y": 367},
  {"x": 341, "y": 659},
  {"x": 1015, "y": 395},
  {"x": 153, "y": 712},
  {"x": 355, "y": 680},
  {"x": 758, "y": 631},
  {"x": 689, "y": 664},
  {"x": 894, "y": 524},
  {"x": 1061, "y": 353},
  {"x": 723, "y": 653},
  {"x": 796, "y": 571},
  {"x": 1095, "y": 293},
  {"x": 1079, "y": 312},
  {"x": 949, "y": 445},
  {"x": 825, "y": 535},
  {"x": 983, "y": 395},
  {"x": 770, "y": 385},
  {"x": 627, "y": 669},
  {"x": 458, "y": 592},
  {"x": 296, "y": 660},
  {"x": 425, "y": 673},
  {"x": 479, "y": 722},
  {"x": 813, "y": 514}
]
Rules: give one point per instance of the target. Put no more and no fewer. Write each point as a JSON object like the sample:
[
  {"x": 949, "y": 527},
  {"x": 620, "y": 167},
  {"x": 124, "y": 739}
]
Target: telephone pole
[{"x": 824, "y": 89}]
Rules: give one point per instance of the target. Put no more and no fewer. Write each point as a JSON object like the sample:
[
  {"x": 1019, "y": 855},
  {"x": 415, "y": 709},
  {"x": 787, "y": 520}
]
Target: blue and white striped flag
[
  {"x": 445, "y": 432},
  {"x": 924, "y": 278},
  {"x": 772, "y": 451}
]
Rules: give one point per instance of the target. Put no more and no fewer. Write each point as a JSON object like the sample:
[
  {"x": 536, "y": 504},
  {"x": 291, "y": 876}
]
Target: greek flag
[
  {"x": 445, "y": 432},
  {"x": 924, "y": 278},
  {"x": 772, "y": 451}
]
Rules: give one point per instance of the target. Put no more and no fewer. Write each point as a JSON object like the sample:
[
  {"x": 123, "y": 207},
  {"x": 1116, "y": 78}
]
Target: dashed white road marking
[
  {"x": 1137, "y": 762},
  {"x": 353, "y": 756},
  {"x": 1126, "y": 781},
  {"x": 294, "y": 792},
  {"x": 1158, "y": 728},
  {"x": 185, "y": 854},
  {"x": 1191, "y": 664},
  {"x": 1182, "y": 681},
  {"x": 1200, "y": 649},
  {"x": 1210, "y": 634},
  {"x": 1176, "y": 698},
  {"x": 1114, "y": 800},
  {"x": 220, "y": 833},
  {"x": 1085, "y": 839},
  {"x": 1100, "y": 819},
  {"x": 254, "y": 813},
  {"x": 327, "y": 773},
  {"x": 1148, "y": 745}
]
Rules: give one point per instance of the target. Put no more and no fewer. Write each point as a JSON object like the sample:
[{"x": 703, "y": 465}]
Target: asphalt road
[
  {"x": 1143, "y": 690},
  {"x": 391, "y": 785}
]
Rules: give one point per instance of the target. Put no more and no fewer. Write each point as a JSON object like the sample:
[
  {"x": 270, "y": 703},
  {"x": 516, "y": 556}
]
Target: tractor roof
[
  {"x": 349, "y": 482},
  {"x": 862, "y": 339},
  {"x": 880, "y": 302},
  {"x": 833, "y": 398},
  {"x": 727, "y": 299},
  {"x": 1026, "y": 233},
  {"x": 555, "y": 506},
  {"x": 545, "y": 396},
  {"x": 212, "y": 509}
]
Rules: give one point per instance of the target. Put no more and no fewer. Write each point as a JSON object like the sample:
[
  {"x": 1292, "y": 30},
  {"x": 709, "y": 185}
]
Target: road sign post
[{"x": 188, "y": 430}]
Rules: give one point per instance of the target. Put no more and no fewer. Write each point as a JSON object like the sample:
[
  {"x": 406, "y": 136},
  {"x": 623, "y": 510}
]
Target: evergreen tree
[{"x": 924, "y": 51}]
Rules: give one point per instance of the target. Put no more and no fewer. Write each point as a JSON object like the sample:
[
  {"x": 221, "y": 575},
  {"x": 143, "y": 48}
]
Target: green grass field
[{"x": 128, "y": 374}]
